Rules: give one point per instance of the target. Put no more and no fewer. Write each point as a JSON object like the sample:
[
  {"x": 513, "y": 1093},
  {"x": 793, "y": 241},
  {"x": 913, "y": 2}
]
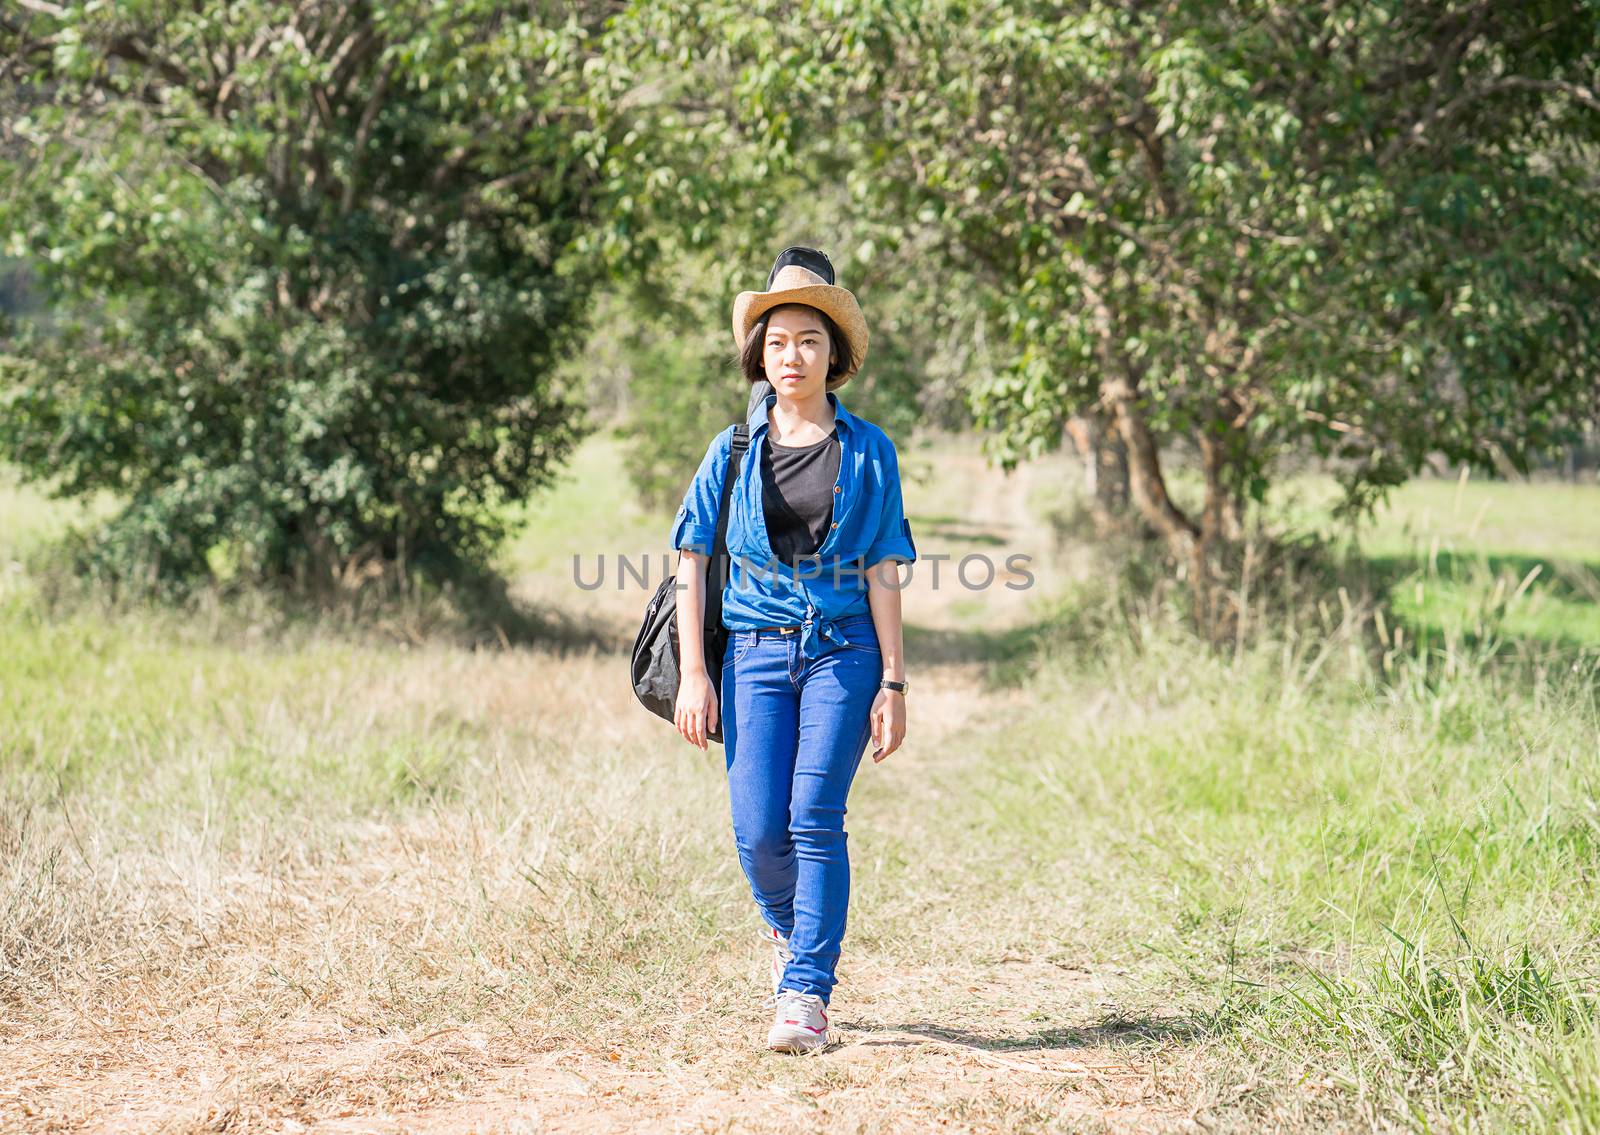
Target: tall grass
[{"x": 1359, "y": 846}]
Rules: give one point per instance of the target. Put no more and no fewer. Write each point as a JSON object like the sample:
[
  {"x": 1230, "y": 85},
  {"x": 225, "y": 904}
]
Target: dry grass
[{"x": 548, "y": 921}]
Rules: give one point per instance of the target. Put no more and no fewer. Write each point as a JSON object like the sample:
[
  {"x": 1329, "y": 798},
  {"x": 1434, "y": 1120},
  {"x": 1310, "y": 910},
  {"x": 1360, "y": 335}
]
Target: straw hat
[{"x": 804, "y": 275}]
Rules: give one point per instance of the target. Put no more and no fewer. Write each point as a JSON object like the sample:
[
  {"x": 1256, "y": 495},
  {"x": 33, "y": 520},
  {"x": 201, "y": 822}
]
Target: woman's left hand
[{"x": 888, "y": 723}]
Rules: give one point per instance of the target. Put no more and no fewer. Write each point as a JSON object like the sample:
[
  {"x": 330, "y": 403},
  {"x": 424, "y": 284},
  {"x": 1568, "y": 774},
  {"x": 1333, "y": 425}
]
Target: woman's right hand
[{"x": 696, "y": 710}]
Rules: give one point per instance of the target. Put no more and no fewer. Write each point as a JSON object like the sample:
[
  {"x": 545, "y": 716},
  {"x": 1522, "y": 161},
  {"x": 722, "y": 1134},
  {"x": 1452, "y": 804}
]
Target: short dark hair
[{"x": 752, "y": 358}]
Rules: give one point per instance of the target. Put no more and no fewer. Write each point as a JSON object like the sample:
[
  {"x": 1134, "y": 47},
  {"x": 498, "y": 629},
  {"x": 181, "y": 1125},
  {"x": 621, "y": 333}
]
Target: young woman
[{"x": 815, "y": 665}]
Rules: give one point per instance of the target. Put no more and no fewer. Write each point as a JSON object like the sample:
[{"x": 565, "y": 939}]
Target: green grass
[
  {"x": 1526, "y": 558},
  {"x": 588, "y": 507},
  {"x": 1489, "y": 518},
  {"x": 31, "y": 517},
  {"x": 1381, "y": 871},
  {"x": 1555, "y": 520},
  {"x": 1456, "y": 557}
]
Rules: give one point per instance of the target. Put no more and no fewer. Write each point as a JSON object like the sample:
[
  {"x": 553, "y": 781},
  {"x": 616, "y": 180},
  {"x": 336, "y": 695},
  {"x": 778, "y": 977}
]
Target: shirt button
[
  {"x": 835, "y": 525},
  {"x": 837, "y": 489}
]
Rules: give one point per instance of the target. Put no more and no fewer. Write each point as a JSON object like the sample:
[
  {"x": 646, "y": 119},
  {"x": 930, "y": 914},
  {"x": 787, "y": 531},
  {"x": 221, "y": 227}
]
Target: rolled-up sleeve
[
  {"x": 893, "y": 538},
  {"x": 695, "y": 526}
]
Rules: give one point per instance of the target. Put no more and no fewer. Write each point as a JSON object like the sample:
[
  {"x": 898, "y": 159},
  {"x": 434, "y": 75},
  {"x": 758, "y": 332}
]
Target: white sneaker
[
  {"x": 780, "y": 954},
  {"x": 800, "y": 1023}
]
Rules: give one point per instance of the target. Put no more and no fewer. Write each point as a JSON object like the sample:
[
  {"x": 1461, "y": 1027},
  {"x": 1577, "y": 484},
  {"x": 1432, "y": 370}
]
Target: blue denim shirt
[{"x": 869, "y": 526}]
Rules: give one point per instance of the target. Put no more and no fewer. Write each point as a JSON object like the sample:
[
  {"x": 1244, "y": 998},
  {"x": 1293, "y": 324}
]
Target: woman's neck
[{"x": 801, "y": 421}]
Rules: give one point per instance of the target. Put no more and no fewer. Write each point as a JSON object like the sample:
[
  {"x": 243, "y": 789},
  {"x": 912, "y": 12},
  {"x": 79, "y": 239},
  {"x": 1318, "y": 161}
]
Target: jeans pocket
[{"x": 742, "y": 641}]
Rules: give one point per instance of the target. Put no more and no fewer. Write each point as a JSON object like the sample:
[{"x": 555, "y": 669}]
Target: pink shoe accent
[{"x": 808, "y": 1028}]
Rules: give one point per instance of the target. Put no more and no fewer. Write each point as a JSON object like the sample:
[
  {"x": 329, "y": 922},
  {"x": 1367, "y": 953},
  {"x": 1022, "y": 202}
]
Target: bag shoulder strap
[{"x": 718, "y": 566}]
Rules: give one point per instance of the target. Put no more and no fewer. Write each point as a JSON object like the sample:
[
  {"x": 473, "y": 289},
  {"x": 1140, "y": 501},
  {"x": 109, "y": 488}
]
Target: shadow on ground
[
  {"x": 1113, "y": 1032},
  {"x": 1576, "y": 580},
  {"x": 490, "y": 615},
  {"x": 958, "y": 528},
  {"x": 1006, "y": 655},
  {"x": 1466, "y": 579}
]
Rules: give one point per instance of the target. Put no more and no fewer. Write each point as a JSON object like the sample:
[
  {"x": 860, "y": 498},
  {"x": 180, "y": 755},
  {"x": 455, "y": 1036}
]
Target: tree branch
[{"x": 369, "y": 115}]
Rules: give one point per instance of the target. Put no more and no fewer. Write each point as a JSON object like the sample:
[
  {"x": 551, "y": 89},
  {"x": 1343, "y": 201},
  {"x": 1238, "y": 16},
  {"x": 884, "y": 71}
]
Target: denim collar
[{"x": 844, "y": 419}]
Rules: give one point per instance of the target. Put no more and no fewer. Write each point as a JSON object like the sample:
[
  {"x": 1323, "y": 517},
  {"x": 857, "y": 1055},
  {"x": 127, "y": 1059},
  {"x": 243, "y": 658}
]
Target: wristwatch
[{"x": 891, "y": 684}]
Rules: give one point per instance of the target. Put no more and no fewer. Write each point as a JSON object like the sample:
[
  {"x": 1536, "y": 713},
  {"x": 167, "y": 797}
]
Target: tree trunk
[
  {"x": 1083, "y": 432},
  {"x": 1213, "y": 457},
  {"x": 1105, "y": 468},
  {"x": 1223, "y": 462},
  {"x": 1233, "y": 511},
  {"x": 1213, "y": 520},
  {"x": 1146, "y": 482}
]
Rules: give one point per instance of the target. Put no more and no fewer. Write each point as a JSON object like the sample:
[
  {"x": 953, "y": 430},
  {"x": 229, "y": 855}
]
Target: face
[{"x": 797, "y": 353}]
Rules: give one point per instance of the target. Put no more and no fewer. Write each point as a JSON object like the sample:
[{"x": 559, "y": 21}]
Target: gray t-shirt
[{"x": 797, "y": 485}]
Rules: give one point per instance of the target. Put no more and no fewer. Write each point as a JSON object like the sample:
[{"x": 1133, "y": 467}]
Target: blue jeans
[{"x": 794, "y": 730}]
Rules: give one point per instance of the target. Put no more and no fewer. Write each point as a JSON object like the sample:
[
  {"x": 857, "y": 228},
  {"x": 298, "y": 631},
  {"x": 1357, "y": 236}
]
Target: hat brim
[{"x": 839, "y": 303}]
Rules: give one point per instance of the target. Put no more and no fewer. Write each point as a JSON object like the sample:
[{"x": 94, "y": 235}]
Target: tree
[
  {"x": 1363, "y": 229},
  {"x": 311, "y": 267}
]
